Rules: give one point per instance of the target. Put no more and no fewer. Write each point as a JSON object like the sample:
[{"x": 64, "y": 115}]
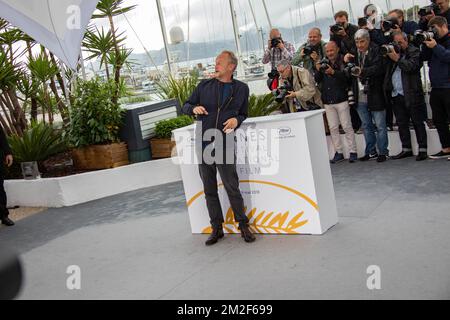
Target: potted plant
[
  {"x": 37, "y": 144},
  {"x": 94, "y": 127},
  {"x": 162, "y": 144}
]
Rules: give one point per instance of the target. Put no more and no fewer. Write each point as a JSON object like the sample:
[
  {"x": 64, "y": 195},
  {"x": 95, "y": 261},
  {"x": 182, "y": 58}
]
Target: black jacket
[
  {"x": 373, "y": 73},
  {"x": 410, "y": 66},
  {"x": 334, "y": 88},
  {"x": 4, "y": 148},
  {"x": 208, "y": 94},
  {"x": 439, "y": 62},
  {"x": 346, "y": 44}
]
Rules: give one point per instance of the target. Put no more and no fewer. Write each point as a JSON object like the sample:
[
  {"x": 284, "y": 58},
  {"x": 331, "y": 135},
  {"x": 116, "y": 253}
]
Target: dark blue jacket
[
  {"x": 208, "y": 95},
  {"x": 439, "y": 62}
]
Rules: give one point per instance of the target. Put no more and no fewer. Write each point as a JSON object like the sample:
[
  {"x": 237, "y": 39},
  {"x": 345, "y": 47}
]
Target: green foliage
[
  {"x": 163, "y": 129},
  {"x": 109, "y": 8},
  {"x": 38, "y": 143},
  {"x": 9, "y": 74},
  {"x": 95, "y": 119},
  {"x": 179, "y": 89},
  {"x": 259, "y": 106},
  {"x": 135, "y": 99}
]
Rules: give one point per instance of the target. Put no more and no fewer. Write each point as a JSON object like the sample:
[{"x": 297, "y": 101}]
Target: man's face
[
  {"x": 442, "y": 31},
  {"x": 331, "y": 51},
  {"x": 401, "y": 41},
  {"x": 443, "y": 5},
  {"x": 362, "y": 44},
  {"x": 274, "y": 34},
  {"x": 285, "y": 72},
  {"x": 223, "y": 65},
  {"x": 342, "y": 20},
  {"x": 314, "y": 37}
]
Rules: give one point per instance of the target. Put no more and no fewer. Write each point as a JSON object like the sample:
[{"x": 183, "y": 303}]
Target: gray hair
[
  {"x": 362, "y": 34},
  {"x": 233, "y": 58},
  {"x": 284, "y": 63}
]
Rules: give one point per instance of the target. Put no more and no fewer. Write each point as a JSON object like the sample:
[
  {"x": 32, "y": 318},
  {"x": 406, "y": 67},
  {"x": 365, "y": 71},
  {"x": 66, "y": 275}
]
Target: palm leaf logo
[{"x": 263, "y": 222}]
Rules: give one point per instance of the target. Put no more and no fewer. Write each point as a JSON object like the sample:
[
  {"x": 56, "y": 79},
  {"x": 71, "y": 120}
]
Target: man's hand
[
  {"x": 341, "y": 33},
  {"x": 291, "y": 95},
  {"x": 200, "y": 110},
  {"x": 329, "y": 71},
  {"x": 348, "y": 57},
  {"x": 431, "y": 43},
  {"x": 9, "y": 160},
  {"x": 230, "y": 124},
  {"x": 394, "y": 56}
]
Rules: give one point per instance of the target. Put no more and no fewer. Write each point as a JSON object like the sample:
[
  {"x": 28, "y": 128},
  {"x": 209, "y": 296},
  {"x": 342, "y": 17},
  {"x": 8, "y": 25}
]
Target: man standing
[
  {"x": 368, "y": 83},
  {"x": 7, "y": 158},
  {"x": 334, "y": 87},
  {"x": 443, "y": 11},
  {"x": 221, "y": 105},
  {"x": 345, "y": 35},
  {"x": 277, "y": 49},
  {"x": 310, "y": 52},
  {"x": 437, "y": 53},
  {"x": 403, "y": 86}
]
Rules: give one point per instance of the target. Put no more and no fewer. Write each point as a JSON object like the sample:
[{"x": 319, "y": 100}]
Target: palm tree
[{"x": 109, "y": 9}]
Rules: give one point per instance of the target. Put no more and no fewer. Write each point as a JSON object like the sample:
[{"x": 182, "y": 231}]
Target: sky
[{"x": 211, "y": 19}]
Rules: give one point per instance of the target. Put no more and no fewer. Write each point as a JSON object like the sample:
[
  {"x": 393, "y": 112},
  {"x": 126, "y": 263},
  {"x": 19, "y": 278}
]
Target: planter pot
[
  {"x": 30, "y": 170},
  {"x": 98, "y": 157},
  {"x": 162, "y": 148}
]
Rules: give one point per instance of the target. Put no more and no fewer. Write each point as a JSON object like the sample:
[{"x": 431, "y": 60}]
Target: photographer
[
  {"x": 403, "y": 86},
  {"x": 311, "y": 52},
  {"x": 334, "y": 82},
  {"x": 298, "y": 91},
  {"x": 436, "y": 50},
  {"x": 395, "y": 21},
  {"x": 439, "y": 8},
  {"x": 277, "y": 49},
  {"x": 368, "y": 75},
  {"x": 343, "y": 33}
]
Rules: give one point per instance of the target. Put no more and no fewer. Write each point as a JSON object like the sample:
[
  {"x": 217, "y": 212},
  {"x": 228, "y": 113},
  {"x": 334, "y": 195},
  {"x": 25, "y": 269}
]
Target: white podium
[{"x": 284, "y": 172}]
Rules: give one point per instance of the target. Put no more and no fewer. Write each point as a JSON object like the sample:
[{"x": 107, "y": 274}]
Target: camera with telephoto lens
[
  {"x": 389, "y": 24},
  {"x": 336, "y": 28},
  {"x": 273, "y": 74},
  {"x": 352, "y": 69},
  {"x": 308, "y": 50},
  {"x": 283, "y": 91},
  {"x": 420, "y": 36},
  {"x": 324, "y": 64},
  {"x": 275, "y": 42},
  {"x": 424, "y": 11},
  {"x": 390, "y": 48}
]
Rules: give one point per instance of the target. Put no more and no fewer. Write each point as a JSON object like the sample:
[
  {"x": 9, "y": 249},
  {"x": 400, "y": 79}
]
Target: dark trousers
[
  {"x": 390, "y": 114},
  {"x": 404, "y": 114},
  {"x": 230, "y": 179},
  {"x": 3, "y": 200},
  {"x": 440, "y": 105},
  {"x": 356, "y": 120}
]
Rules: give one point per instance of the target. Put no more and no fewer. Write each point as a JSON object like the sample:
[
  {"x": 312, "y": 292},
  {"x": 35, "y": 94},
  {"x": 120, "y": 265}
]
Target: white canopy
[{"x": 59, "y": 25}]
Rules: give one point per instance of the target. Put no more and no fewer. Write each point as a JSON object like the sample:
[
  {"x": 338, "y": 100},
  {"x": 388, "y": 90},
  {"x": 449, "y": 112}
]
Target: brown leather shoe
[
  {"x": 216, "y": 234},
  {"x": 247, "y": 234}
]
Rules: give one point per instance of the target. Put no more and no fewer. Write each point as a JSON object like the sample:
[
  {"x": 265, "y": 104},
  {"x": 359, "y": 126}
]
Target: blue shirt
[
  {"x": 225, "y": 93},
  {"x": 397, "y": 82}
]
